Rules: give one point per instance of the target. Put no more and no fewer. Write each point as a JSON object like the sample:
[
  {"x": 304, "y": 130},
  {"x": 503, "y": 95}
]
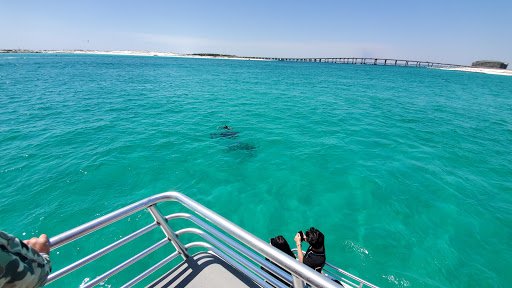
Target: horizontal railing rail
[
  {"x": 361, "y": 281},
  {"x": 340, "y": 278},
  {"x": 240, "y": 248},
  {"x": 56, "y": 275},
  {"x": 246, "y": 259}
]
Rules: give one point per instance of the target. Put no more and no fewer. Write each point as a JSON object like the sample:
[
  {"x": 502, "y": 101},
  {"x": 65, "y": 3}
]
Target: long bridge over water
[{"x": 369, "y": 61}]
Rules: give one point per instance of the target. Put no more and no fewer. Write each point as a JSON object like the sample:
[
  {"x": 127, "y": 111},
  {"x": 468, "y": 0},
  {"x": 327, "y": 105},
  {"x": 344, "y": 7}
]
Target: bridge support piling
[{"x": 367, "y": 61}]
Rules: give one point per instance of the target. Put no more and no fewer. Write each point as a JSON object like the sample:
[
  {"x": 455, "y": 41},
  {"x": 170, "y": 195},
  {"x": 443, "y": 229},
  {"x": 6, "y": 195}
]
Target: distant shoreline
[
  {"x": 130, "y": 53},
  {"x": 504, "y": 72}
]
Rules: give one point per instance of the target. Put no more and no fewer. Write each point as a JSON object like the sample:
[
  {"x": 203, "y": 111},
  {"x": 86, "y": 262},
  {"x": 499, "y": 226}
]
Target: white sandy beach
[
  {"x": 504, "y": 72},
  {"x": 144, "y": 53}
]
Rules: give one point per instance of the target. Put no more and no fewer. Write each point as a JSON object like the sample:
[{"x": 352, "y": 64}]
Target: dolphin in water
[
  {"x": 224, "y": 134},
  {"x": 242, "y": 146}
]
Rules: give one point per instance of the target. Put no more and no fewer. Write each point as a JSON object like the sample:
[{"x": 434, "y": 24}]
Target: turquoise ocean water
[{"x": 407, "y": 171}]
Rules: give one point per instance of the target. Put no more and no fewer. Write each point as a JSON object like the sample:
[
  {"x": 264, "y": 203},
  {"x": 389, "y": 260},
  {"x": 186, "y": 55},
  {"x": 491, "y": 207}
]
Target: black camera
[{"x": 302, "y": 237}]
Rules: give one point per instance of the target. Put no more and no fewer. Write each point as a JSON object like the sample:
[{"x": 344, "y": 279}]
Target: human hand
[
  {"x": 41, "y": 244},
  {"x": 298, "y": 239}
]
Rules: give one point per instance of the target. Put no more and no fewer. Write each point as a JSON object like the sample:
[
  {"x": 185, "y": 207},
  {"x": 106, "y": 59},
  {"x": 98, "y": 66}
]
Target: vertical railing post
[
  {"x": 162, "y": 222},
  {"x": 297, "y": 282}
]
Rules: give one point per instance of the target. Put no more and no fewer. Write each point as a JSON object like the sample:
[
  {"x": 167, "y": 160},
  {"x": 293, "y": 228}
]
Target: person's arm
[
  {"x": 299, "y": 248},
  {"x": 21, "y": 263}
]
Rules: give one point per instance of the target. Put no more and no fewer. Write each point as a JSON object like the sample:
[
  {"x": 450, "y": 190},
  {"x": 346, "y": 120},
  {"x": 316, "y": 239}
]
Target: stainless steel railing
[
  {"x": 334, "y": 273},
  {"x": 246, "y": 257}
]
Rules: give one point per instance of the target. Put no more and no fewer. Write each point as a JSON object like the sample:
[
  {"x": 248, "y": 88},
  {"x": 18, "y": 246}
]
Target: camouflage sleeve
[{"x": 20, "y": 265}]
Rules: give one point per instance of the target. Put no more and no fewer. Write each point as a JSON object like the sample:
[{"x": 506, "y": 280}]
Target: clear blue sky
[{"x": 447, "y": 31}]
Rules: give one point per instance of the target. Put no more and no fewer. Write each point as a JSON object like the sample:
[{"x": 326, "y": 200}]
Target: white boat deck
[{"x": 203, "y": 270}]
